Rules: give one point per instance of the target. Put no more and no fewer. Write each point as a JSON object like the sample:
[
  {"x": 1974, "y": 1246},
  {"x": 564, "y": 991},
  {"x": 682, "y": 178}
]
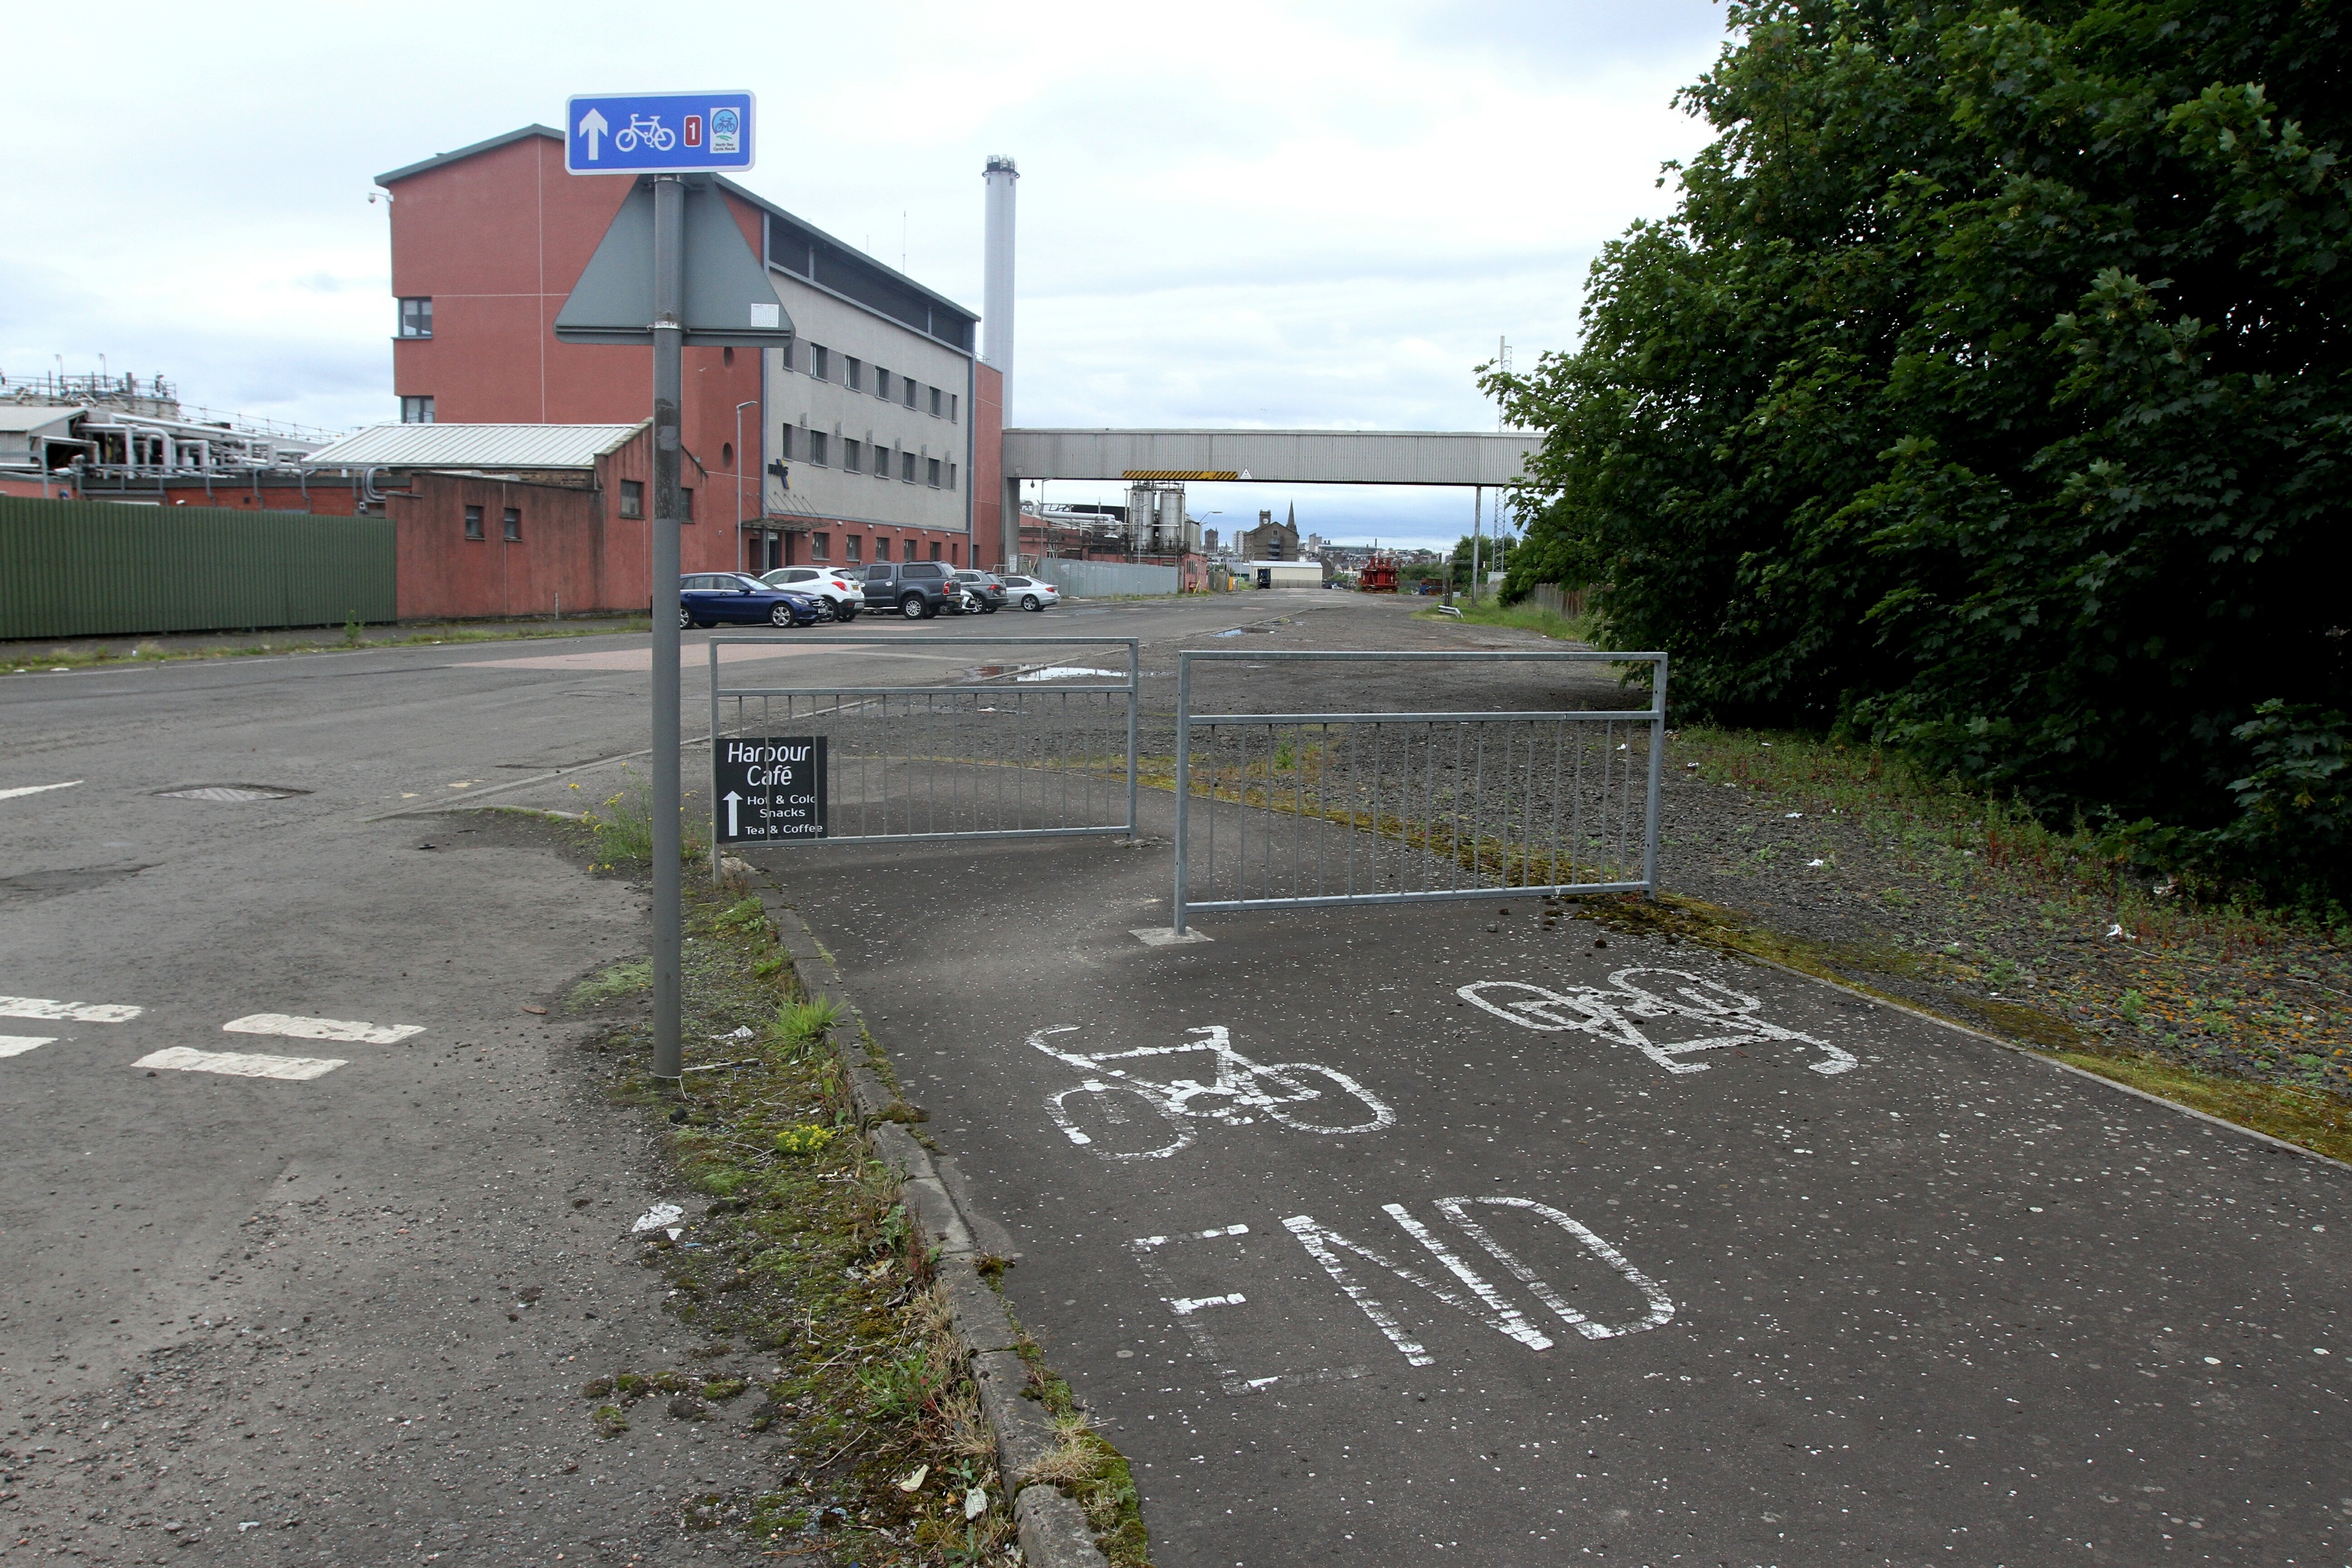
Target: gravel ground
[{"x": 1929, "y": 906}]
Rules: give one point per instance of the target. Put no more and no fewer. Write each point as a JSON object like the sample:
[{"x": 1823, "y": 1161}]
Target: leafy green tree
[{"x": 1987, "y": 392}]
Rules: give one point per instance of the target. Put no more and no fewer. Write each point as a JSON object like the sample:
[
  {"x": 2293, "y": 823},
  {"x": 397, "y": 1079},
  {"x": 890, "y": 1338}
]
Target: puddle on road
[{"x": 1026, "y": 676}]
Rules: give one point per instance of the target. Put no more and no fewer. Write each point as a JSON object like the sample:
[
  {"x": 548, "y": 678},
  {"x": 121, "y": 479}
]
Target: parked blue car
[{"x": 714, "y": 598}]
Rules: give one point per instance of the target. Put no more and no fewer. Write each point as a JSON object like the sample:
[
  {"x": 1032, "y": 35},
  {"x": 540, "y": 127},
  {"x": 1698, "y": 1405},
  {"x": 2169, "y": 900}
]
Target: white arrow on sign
[
  {"x": 731, "y": 797},
  {"x": 592, "y": 125}
]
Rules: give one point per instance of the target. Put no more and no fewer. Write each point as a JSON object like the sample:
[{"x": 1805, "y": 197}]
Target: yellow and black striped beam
[{"x": 1181, "y": 474}]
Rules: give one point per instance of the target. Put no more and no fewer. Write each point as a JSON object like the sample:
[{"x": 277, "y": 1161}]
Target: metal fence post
[
  {"x": 713, "y": 645},
  {"x": 1183, "y": 776},
  {"x": 1134, "y": 700},
  {"x": 1657, "y": 776}
]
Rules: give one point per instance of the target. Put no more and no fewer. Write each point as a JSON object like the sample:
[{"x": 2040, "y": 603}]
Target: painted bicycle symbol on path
[
  {"x": 1123, "y": 1114},
  {"x": 1646, "y": 1006}
]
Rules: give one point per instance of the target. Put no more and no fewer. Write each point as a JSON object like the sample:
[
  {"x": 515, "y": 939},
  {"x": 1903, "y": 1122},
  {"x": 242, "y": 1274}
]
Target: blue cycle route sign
[{"x": 658, "y": 132}]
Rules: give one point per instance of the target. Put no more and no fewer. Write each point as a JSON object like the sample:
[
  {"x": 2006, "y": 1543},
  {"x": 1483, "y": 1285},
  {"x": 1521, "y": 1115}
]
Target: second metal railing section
[{"x": 1365, "y": 807}]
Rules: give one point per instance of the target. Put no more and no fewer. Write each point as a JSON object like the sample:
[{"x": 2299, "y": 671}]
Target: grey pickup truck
[{"x": 916, "y": 589}]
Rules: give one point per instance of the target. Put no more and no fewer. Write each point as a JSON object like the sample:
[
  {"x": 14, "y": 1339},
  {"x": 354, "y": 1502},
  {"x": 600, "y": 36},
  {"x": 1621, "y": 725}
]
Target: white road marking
[
  {"x": 1150, "y": 1251},
  {"x": 1726, "y": 1017},
  {"x": 1241, "y": 1090},
  {"x": 180, "y": 1058},
  {"x": 35, "y": 789},
  {"x": 294, "y": 1028},
  {"x": 1324, "y": 1245},
  {"x": 17, "y": 1045},
  {"x": 1662, "y": 1306},
  {"x": 79, "y": 1012}
]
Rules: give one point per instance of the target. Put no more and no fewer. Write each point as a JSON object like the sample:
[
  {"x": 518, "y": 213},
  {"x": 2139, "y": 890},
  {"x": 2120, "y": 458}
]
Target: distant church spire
[{"x": 1292, "y": 523}]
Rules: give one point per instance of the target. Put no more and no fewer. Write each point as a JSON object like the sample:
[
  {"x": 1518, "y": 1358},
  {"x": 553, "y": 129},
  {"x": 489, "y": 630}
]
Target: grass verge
[
  {"x": 820, "y": 1319},
  {"x": 793, "y": 1253}
]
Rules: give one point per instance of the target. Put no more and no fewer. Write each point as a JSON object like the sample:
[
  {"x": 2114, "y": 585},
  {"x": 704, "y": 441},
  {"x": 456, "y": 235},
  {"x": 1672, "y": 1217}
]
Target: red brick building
[{"x": 875, "y": 435}]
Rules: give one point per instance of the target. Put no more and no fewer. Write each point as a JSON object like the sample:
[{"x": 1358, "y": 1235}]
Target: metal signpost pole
[
  {"x": 669, "y": 375},
  {"x": 654, "y": 139}
]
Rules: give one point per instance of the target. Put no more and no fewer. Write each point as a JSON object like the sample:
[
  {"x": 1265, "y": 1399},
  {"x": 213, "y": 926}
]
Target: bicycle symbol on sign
[
  {"x": 1123, "y": 1115},
  {"x": 1723, "y": 1017},
  {"x": 645, "y": 128}
]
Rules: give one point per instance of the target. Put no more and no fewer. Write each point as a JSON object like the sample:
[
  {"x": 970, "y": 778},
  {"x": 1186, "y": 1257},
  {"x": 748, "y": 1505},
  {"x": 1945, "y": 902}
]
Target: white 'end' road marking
[
  {"x": 17, "y": 1045},
  {"x": 179, "y": 1058},
  {"x": 1187, "y": 1305},
  {"x": 295, "y": 1029},
  {"x": 80, "y": 1012},
  {"x": 35, "y": 789}
]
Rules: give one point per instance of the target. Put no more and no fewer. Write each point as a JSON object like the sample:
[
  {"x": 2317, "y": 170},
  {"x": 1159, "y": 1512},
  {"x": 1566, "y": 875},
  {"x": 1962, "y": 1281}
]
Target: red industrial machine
[{"x": 1378, "y": 575}]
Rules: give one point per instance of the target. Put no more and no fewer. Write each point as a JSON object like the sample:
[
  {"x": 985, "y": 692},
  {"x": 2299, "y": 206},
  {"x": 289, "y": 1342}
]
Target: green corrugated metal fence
[{"x": 101, "y": 569}]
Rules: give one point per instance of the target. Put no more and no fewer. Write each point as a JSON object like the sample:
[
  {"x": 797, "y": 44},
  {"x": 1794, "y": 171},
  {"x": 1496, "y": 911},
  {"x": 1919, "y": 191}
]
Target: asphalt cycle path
[
  {"x": 310, "y": 1225},
  {"x": 1409, "y": 1234}
]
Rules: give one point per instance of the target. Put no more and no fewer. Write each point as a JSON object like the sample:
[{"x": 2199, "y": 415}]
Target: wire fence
[
  {"x": 1328, "y": 808},
  {"x": 1020, "y": 748}
]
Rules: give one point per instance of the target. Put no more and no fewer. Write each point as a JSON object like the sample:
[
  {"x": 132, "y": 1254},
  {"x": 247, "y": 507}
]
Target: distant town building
[
  {"x": 1270, "y": 541},
  {"x": 875, "y": 435}
]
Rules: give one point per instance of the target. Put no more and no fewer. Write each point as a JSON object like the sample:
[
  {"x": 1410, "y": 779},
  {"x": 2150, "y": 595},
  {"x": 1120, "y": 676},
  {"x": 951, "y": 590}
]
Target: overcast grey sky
[{"x": 1230, "y": 214}]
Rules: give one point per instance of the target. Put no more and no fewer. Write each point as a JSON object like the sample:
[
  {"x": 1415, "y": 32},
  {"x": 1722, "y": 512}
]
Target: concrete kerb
[{"x": 1053, "y": 1530}]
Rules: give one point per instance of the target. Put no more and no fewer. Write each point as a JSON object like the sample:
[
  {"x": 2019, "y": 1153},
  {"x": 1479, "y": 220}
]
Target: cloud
[{"x": 1303, "y": 212}]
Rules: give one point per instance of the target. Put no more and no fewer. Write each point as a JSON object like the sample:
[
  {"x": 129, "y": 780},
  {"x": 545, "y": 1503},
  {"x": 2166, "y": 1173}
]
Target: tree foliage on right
[{"x": 1987, "y": 394}]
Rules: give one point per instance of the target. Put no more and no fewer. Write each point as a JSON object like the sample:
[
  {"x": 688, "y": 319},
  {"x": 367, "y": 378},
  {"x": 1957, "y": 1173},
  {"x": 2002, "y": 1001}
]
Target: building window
[
  {"x": 632, "y": 498},
  {"x": 820, "y": 547},
  {"x": 951, "y": 409},
  {"x": 727, "y": 356},
  {"x": 881, "y": 550},
  {"x": 727, "y": 454},
  {"x": 853, "y": 374},
  {"x": 951, "y": 553},
  {"x": 907, "y": 467},
  {"x": 685, "y": 504},
  {"x": 820, "y": 363},
  {"x": 416, "y": 410},
  {"x": 881, "y": 462},
  {"x": 881, "y": 384},
  {"x": 938, "y": 403},
  {"x": 816, "y": 445},
  {"x": 906, "y": 391},
  {"x": 853, "y": 544},
  {"x": 951, "y": 476},
  {"x": 849, "y": 455},
  {"x": 935, "y": 550},
  {"x": 784, "y": 443},
  {"x": 473, "y": 522},
  {"x": 931, "y": 473},
  {"x": 417, "y": 318},
  {"x": 514, "y": 525}
]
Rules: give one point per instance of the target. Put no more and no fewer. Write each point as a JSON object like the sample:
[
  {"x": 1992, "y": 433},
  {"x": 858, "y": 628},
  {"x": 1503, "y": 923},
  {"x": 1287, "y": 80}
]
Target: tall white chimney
[{"x": 996, "y": 304}]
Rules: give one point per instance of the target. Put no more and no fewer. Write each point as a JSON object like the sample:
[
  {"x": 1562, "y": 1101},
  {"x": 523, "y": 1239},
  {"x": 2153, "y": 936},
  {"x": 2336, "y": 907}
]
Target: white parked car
[
  {"x": 1031, "y": 593},
  {"x": 824, "y": 582}
]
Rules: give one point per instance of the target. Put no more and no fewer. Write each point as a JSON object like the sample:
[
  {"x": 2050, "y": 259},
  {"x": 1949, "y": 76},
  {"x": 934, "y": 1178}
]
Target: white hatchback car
[
  {"x": 1031, "y": 593},
  {"x": 822, "y": 583}
]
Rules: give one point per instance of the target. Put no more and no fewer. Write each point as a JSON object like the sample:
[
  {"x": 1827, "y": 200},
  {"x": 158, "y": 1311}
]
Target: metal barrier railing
[
  {"x": 1015, "y": 751},
  {"x": 1404, "y": 807}
]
